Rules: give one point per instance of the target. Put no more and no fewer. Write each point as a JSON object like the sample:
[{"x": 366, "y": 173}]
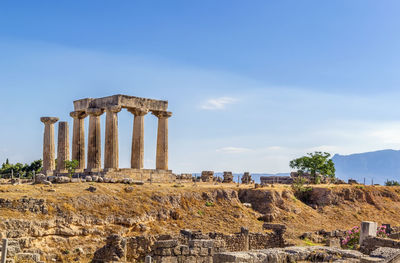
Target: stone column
[
  {"x": 137, "y": 154},
  {"x": 162, "y": 139},
  {"x": 62, "y": 146},
  {"x": 78, "y": 139},
  {"x": 94, "y": 141},
  {"x": 111, "y": 159},
  {"x": 48, "y": 144}
]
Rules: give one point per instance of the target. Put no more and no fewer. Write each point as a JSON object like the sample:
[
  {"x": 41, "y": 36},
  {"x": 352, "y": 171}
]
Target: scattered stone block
[
  {"x": 367, "y": 229},
  {"x": 228, "y": 177},
  {"x": 91, "y": 189},
  {"x": 207, "y": 176}
]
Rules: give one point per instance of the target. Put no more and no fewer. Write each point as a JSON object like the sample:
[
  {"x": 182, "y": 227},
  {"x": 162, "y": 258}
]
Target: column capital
[
  {"x": 114, "y": 109},
  {"x": 49, "y": 120},
  {"x": 95, "y": 111},
  {"x": 162, "y": 114},
  {"x": 138, "y": 111},
  {"x": 78, "y": 114}
]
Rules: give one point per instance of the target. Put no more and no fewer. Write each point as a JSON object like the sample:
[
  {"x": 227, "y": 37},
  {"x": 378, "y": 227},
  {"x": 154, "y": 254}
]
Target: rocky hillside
[{"x": 67, "y": 222}]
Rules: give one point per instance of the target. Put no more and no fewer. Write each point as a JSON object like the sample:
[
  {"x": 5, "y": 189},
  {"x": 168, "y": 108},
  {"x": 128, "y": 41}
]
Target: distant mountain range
[{"x": 378, "y": 166}]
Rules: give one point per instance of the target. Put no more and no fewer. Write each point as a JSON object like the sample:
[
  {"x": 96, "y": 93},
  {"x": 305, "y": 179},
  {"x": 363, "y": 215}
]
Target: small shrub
[
  {"x": 381, "y": 231},
  {"x": 359, "y": 186},
  {"x": 308, "y": 242},
  {"x": 71, "y": 166},
  {"x": 208, "y": 204},
  {"x": 65, "y": 252},
  {"x": 301, "y": 191},
  {"x": 201, "y": 213},
  {"x": 352, "y": 237}
]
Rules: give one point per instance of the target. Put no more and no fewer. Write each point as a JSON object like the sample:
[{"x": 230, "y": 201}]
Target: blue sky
[{"x": 251, "y": 84}]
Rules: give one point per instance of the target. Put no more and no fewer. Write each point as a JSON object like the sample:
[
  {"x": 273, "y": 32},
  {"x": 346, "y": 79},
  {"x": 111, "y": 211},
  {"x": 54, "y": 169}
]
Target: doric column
[
  {"x": 162, "y": 139},
  {"x": 137, "y": 154},
  {"x": 48, "y": 144},
  {"x": 111, "y": 143},
  {"x": 62, "y": 146},
  {"x": 78, "y": 138},
  {"x": 94, "y": 141}
]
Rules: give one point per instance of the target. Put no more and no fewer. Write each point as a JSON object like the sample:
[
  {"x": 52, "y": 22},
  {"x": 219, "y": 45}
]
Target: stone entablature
[
  {"x": 94, "y": 108},
  {"x": 124, "y": 101}
]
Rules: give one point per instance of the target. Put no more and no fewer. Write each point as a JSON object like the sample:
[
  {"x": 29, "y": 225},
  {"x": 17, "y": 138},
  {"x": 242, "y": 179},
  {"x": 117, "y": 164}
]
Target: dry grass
[{"x": 223, "y": 216}]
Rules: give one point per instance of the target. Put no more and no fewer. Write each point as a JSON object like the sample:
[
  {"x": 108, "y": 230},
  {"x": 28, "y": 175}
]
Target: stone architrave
[
  {"x": 367, "y": 229},
  {"x": 111, "y": 158},
  {"x": 94, "y": 141},
  {"x": 62, "y": 146},
  {"x": 78, "y": 138},
  {"x": 137, "y": 154},
  {"x": 162, "y": 139},
  {"x": 48, "y": 144}
]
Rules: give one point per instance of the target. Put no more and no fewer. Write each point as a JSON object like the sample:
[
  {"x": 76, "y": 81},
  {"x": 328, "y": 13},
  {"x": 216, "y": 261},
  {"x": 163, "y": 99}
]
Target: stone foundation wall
[
  {"x": 371, "y": 243},
  {"x": 145, "y": 175},
  {"x": 188, "y": 246},
  {"x": 170, "y": 251}
]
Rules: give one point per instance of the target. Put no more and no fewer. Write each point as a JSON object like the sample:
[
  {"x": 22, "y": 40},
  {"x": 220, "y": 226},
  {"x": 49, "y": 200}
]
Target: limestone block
[
  {"x": 204, "y": 251},
  {"x": 177, "y": 251},
  {"x": 367, "y": 229},
  {"x": 27, "y": 257},
  {"x": 201, "y": 243},
  {"x": 185, "y": 250},
  {"x": 166, "y": 243},
  {"x": 194, "y": 251}
]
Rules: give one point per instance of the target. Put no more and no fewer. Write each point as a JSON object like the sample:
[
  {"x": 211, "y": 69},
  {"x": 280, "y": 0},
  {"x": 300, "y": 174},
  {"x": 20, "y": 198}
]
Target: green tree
[
  {"x": 314, "y": 164},
  {"x": 392, "y": 183},
  {"x": 71, "y": 166},
  {"x": 22, "y": 169}
]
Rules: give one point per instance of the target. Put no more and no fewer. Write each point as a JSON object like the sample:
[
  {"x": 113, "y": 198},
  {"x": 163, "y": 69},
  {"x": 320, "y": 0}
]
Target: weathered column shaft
[
  {"x": 78, "y": 138},
  {"x": 62, "y": 146},
  {"x": 94, "y": 141},
  {"x": 111, "y": 158},
  {"x": 137, "y": 154},
  {"x": 48, "y": 144},
  {"x": 162, "y": 140}
]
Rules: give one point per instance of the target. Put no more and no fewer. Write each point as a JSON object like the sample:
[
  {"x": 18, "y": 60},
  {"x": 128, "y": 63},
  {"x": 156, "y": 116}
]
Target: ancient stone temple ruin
[{"x": 91, "y": 163}]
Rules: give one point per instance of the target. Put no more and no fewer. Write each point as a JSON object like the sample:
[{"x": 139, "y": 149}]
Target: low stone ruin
[
  {"x": 185, "y": 177},
  {"x": 276, "y": 180},
  {"x": 291, "y": 254},
  {"x": 114, "y": 250},
  {"x": 187, "y": 246},
  {"x": 207, "y": 176},
  {"x": 15, "y": 253},
  {"x": 228, "y": 177},
  {"x": 246, "y": 178}
]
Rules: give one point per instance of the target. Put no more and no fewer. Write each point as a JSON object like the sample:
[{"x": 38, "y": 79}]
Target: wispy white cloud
[
  {"x": 274, "y": 148},
  {"x": 217, "y": 103},
  {"x": 233, "y": 150}
]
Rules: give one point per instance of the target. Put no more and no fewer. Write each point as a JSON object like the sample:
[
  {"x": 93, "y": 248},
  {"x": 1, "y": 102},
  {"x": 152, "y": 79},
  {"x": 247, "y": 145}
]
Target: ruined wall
[
  {"x": 371, "y": 243},
  {"x": 198, "y": 250},
  {"x": 187, "y": 246}
]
